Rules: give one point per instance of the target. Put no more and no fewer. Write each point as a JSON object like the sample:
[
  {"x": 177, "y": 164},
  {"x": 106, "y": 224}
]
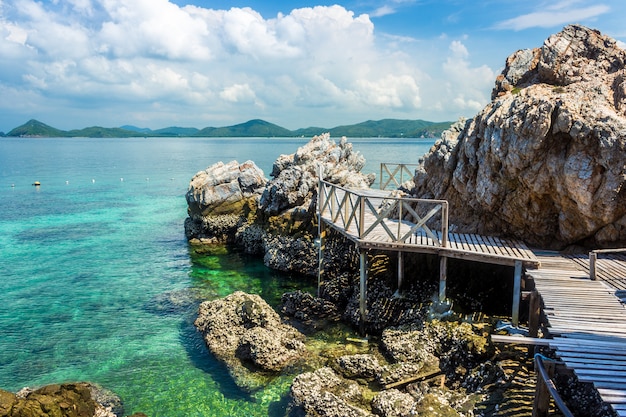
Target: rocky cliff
[{"x": 545, "y": 161}]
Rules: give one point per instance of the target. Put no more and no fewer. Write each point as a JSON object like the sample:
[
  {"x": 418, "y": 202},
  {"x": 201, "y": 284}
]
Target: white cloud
[
  {"x": 554, "y": 15},
  {"x": 383, "y": 11},
  {"x": 161, "y": 63},
  {"x": 238, "y": 93},
  {"x": 465, "y": 88}
]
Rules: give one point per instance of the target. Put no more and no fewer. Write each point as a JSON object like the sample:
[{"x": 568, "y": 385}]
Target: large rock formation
[
  {"x": 545, "y": 160},
  {"x": 232, "y": 203},
  {"x": 245, "y": 333},
  {"x": 220, "y": 198}
]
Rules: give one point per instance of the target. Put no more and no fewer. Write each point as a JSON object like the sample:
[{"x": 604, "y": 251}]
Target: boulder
[
  {"x": 545, "y": 160},
  {"x": 393, "y": 403},
  {"x": 295, "y": 176},
  {"x": 325, "y": 393},
  {"x": 80, "y": 399},
  {"x": 245, "y": 333},
  {"x": 220, "y": 197},
  {"x": 233, "y": 203}
]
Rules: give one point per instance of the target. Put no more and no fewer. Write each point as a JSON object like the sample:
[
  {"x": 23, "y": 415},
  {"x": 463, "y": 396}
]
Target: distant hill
[
  {"x": 34, "y": 128},
  {"x": 255, "y": 128},
  {"x": 392, "y": 128}
]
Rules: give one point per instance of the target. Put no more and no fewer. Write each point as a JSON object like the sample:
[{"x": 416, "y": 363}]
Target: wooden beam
[
  {"x": 443, "y": 276},
  {"x": 320, "y": 266},
  {"x": 400, "y": 271},
  {"x": 517, "y": 289},
  {"x": 534, "y": 314},
  {"x": 363, "y": 288}
]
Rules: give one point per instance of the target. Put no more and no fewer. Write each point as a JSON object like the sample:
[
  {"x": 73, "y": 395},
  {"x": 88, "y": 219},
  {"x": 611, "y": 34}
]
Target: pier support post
[
  {"x": 534, "y": 314},
  {"x": 363, "y": 288},
  {"x": 443, "y": 274},
  {"x": 400, "y": 271},
  {"x": 517, "y": 292},
  {"x": 320, "y": 250}
]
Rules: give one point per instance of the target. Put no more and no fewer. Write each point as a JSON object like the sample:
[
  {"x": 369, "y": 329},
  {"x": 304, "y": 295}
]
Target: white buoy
[
  {"x": 93, "y": 181},
  {"x": 121, "y": 179},
  {"x": 67, "y": 182}
]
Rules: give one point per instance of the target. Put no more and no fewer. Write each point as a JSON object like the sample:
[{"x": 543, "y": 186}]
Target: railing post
[
  {"x": 593, "y": 257},
  {"x": 400, "y": 213},
  {"x": 380, "y": 179},
  {"x": 361, "y": 216},
  {"x": 541, "y": 403},
  {"x": 444, "y": 224}
]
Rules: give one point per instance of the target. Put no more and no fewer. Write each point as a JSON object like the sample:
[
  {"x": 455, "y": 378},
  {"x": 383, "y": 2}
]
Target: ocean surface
[{"x": 98, "y": 283}]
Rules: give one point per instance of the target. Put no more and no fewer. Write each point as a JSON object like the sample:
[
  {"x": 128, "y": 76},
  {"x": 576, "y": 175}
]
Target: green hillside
[
  {"x": 392, "y": 128},
  {"x": 251, "y": 128},
  {"x": 102, "y": 132},
  {"x": 34, "y": 128}
]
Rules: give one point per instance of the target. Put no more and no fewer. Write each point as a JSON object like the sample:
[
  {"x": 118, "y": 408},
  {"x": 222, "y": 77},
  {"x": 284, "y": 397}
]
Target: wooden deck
[
  {"x": 370, "y": 219},
  {"x": 383, "y": 220},
  {"x": 586, "y": 322}
]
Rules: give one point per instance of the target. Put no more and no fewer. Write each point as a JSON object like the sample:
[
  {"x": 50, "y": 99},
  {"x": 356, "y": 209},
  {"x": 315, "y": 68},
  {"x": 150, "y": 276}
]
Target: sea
[{"x": 99, "y": 284}]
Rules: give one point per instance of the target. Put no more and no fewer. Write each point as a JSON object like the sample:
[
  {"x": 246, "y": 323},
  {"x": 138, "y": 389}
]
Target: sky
[{"x": 300, "y": 63}]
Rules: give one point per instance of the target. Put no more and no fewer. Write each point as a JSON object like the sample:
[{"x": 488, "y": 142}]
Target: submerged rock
[
  {"x": 245, "y": 333},
  {"x": 545, "y": 160}
]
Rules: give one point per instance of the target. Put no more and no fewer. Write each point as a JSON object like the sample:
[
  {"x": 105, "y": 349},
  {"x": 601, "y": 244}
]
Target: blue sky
[{"x": 159, "y": 63}]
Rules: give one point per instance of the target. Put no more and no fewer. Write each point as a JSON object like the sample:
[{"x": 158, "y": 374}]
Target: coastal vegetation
[{"x": 391, "y": 128}]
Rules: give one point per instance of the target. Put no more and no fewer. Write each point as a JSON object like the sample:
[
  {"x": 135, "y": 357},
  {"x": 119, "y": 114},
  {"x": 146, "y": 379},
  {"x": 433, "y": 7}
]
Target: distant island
[{"x": 391, "y": 128}]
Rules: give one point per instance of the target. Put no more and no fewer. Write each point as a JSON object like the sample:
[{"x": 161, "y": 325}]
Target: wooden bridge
[
  {"x": 576, "y": 296},
  {"x": 575, "y": 300},
  {"x": 383, "y": 220}
]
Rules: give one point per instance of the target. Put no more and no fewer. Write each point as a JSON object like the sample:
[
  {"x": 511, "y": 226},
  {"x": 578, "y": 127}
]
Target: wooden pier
[
  {"x": 584, "y": 321},
  {"x": 383, "y": 220},
  {"x": 578, "y": 298}
]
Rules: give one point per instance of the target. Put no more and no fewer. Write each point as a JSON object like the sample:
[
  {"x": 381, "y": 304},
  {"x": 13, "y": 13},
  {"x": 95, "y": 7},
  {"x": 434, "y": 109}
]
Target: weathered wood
[
  {"x": 541, "y": 404},
  {"x": 534, "y": 314},
  {"x": 443, "y": 276},
  {"x": 363, "y": 289},
  {"x": 517, "y": 288},
  {"x": 414, "y": 378},
  {"x": 358, "y": 213},
  {"x": 587, "y": 321}
]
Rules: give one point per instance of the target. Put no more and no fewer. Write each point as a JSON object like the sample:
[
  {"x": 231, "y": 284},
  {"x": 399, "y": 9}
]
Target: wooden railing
[
  {"x": 363, "y": 212},
  {"x": 593, "y": 258},
  {"x": 546, "y": 388},
  {"x": 396, "y": 174}
]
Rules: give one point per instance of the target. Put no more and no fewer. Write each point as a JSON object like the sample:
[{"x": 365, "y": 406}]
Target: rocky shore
[
  {"x": 62, "y": 400},
  {"x": 543, "y": 162}
]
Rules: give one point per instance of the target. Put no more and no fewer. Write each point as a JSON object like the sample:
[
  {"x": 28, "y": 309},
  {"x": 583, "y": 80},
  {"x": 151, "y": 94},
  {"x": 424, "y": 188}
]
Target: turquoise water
[{"x": 98, "y": 283}]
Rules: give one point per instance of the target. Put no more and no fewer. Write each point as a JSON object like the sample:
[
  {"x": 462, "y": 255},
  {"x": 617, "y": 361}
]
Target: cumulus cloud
[
  {"x": 465, "y": 88},
  {"x": 152, "y": 57},
  {"x": 554, "y": 15}
]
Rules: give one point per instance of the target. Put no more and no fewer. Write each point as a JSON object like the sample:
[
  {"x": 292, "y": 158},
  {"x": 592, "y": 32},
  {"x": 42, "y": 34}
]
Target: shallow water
[{"x": 99, "y": 284}]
